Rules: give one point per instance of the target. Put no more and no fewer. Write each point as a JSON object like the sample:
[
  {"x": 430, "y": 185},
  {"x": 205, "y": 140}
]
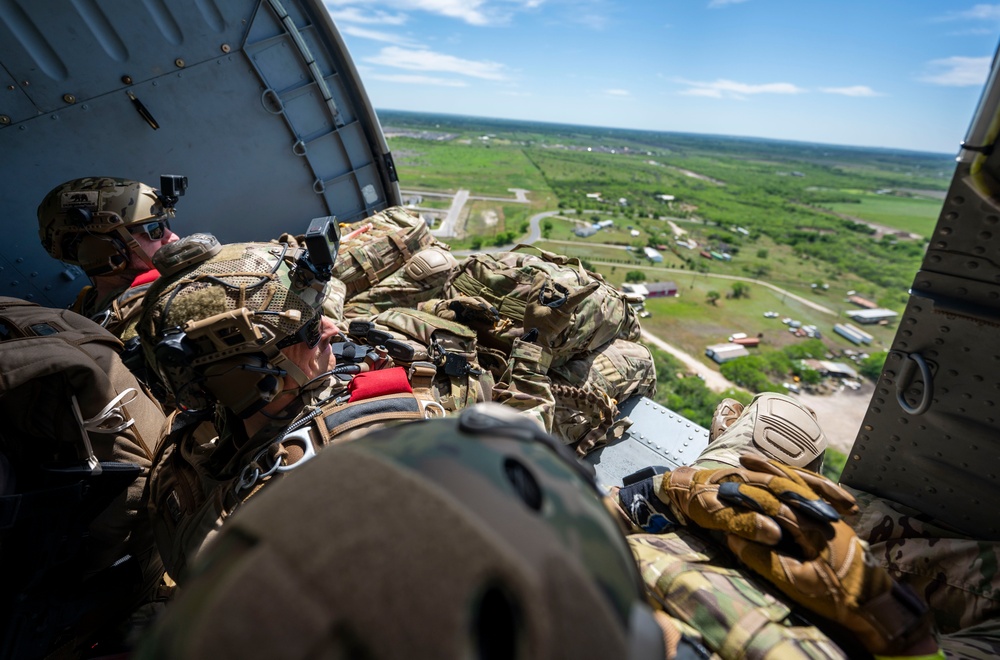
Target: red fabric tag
[
  {"x": 146, "y": 278},
  {"x": 377, "y": 383}
]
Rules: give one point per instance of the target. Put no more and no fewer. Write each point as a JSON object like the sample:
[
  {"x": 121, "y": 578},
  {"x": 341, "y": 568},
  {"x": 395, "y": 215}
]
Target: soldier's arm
[{"x": 525, "y": 384}]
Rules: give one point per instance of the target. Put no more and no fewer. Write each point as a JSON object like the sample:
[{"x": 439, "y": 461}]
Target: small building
[
  {"x": 837, "y": 369},
  {"x": 749, "y": 342},
  {"x": 604, "y": 224},
  {"x": 652, "y": 254},
  {"x": 666, "y": 198},
  {"x": 596, "y": 196},
  {"x": 634, "y": 233},
  {"x": 870, "y": 316},
  {"x": 584, "y": 232},
  {"x": 725, "y": 352},
  {"x": 852, "y": 334},
  {"x": 862, "y": 302},
  {"x": 705, "y": 254},
  {"x": 661, "y": 289},
  {"x": 637, "y": 289}
]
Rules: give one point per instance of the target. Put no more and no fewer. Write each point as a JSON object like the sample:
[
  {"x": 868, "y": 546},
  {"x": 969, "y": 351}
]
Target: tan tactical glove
[
  {"x": 760, "y": 503},
  {"x": 473, "y": 311},
  {"x": 550, "y": 309}
]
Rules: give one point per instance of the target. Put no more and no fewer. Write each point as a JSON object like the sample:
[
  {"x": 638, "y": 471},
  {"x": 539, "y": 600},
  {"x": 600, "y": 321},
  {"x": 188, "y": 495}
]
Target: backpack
[
  {"x": 380, "y": 247},
  {"x": 506, "y": 279},
  {"x": 77, "y": 443},
  {"x": 422, "y": 277}
]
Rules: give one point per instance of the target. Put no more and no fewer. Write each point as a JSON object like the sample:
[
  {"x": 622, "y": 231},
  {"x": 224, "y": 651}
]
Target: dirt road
[
  {"x": 713, "y": 379},
  {"x": 840, "y": 415}
]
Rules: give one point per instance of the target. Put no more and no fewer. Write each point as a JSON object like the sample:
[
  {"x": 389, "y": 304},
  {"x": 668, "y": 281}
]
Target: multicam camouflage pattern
[
  {"x": 422, "y": 278},
  {"x": 772, "y": 426},
  {"x": 378, "y": 247},
  {"x": 131, "y": 202},
  {"x": 494, "y": 513},
  {"x": 506, "y": 279},
  {"x": 588, "y": 388},
  {"x": 958, "y": 577},
  {"x": 699, "y": 584},
  {"x": 440, "y": 342},
  {"x": 257, "y": 278},
  {"x": 525, "y": 385}
]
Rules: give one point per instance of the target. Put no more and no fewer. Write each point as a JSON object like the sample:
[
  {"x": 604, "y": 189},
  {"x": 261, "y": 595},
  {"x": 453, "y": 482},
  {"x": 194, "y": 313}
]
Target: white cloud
[
  {"x": 418, "y": 80},
  {"x": 352, "y": 14},
  {"x": 736, "y": 90},
  {"x": 715, "y": 4},
  {"x": 375, "y": 35},
  {"x": 617, "y": 92},
  {"x": 854, "y": 90},
  {"x": 979, "y": 13},
  {"x": 958, "y": 71},
  {"x": 427, "y": 60}
]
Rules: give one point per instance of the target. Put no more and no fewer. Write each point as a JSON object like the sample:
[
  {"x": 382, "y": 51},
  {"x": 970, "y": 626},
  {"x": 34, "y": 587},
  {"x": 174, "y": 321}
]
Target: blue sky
[{"x": 884, "y": 73}]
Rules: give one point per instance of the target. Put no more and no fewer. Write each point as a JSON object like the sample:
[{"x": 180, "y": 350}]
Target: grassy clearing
[
  {"x": 916, "y": 215},
  {"x": 449, "y": 166}
]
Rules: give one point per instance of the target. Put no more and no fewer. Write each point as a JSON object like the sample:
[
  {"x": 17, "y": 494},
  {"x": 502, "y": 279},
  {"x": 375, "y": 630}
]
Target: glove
[
  {"x": 473, "y": 311},
  {"x": 762, "y": 503},
  {"x": 831, "y": 573},
  {"x": 550, "y": 309}
]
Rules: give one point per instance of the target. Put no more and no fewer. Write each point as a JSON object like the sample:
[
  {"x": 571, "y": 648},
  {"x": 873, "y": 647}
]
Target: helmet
[
  {"x": 772, "y": 425},
  {"x": 470, "y": 537},
  {"x": 214, "y": 327},
  {"x": 85, "y": 222}
]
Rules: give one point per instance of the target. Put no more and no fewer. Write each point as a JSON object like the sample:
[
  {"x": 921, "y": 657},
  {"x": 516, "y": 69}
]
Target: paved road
[{"x": 447, "y": 227}]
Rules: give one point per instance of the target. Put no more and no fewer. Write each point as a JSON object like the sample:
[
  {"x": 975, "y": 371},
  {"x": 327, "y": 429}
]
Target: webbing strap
[
  {"x": 742, "y": 633},
  {"x": 508, "y": 306},
  {"x": 362, "y": 258},
  {"x": 401, "y": 246}
]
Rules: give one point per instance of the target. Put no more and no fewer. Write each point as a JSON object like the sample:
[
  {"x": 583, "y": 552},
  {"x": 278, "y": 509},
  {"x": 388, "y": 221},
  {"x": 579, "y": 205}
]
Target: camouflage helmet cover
[
  {"x": 477, "y": 536},
  {"x": 82, "y": 222},
  {"x": 213, "y": 331}
]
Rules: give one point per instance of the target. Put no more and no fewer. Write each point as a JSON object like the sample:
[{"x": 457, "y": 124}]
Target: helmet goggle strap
[{"x": 134, "y": 247}]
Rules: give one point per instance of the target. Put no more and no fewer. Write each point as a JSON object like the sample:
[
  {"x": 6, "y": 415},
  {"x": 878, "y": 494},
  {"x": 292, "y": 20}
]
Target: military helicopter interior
[{"x": 258, "y": 104}]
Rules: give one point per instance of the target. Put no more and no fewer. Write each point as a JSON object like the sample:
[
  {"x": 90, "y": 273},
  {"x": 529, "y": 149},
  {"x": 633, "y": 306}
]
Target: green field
[{"x": 916, "y": 215}]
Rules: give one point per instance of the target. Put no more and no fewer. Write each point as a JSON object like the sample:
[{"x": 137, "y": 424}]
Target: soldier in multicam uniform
[
  {"x": 110, "y": 228},
  {"x": 238, "y": 341}
]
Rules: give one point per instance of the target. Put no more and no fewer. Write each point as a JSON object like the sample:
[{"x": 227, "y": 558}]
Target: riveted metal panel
[
  {"x": 658, "y": 437},
  {"x": 930, "y": 437},
  {"x": 251, "y": 175}
]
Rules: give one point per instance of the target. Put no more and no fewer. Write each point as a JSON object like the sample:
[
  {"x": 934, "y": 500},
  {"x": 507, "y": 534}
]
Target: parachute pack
[
  {"x": 379, "y": 247},
  {"x": 78, "y": 439},
  {"x": 507, "y": 279}
]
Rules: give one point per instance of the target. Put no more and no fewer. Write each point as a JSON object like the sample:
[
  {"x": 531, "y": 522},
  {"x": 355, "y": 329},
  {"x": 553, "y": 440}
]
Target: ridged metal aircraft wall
[{"x": 257, "y": 103}]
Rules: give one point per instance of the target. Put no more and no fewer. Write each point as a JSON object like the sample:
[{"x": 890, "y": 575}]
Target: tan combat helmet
[
  {"x": 85, "y": 222},
  {"x": 214, "y": 323}
]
